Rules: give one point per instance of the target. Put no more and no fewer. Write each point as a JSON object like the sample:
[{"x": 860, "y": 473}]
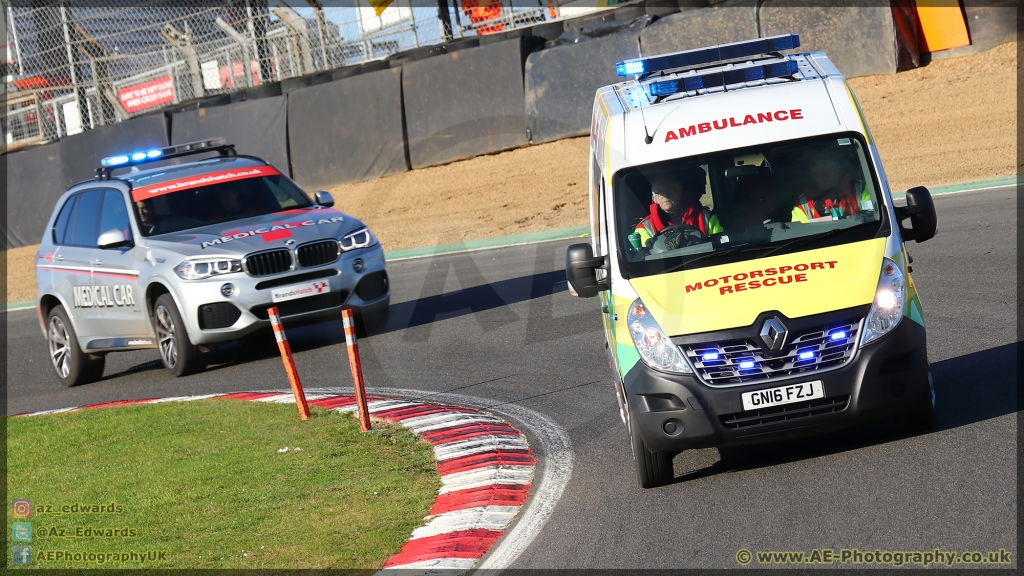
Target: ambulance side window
[{"x": 60, "y": 227}]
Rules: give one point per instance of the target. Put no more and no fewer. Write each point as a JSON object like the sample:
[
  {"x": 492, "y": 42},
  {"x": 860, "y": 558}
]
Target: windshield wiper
[
  {"x": 804, "y": 240},
  {"x": 726, "y": 252}
]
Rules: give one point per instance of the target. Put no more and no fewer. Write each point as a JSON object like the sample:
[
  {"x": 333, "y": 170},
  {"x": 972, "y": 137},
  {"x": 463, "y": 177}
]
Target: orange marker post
[
  {"x": 357, "y": 369},
  {"x": 289, "y": 363}
]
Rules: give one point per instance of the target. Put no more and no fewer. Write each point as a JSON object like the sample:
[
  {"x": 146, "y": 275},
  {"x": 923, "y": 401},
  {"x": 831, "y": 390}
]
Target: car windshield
[
  {"x": 770, "y": 199},
  {"x": 216, "y": 203}
]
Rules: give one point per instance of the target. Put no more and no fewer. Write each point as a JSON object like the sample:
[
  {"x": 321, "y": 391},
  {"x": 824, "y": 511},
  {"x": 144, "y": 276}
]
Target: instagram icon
[{"x": 21, "y": 508}]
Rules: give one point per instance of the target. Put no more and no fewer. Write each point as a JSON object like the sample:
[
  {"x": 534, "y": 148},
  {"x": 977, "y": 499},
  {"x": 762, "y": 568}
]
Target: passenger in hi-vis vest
[
  {"x": 677, "y": 201},
  {"x": 832, "y": 191}
]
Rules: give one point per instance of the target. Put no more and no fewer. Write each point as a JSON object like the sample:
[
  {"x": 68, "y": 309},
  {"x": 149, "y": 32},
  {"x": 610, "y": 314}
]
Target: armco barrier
[
  {"x": 560, "y": 83},
  {"x": 445, "y": 121},
  {"x": 730, "y": 21},
  {"x": 256, "y": 127},
  {"x": 80, "y": 154},
  {"x": 989, "y": 24},
  {"x": 34, "y": 184},
  {"x": 347, "y": 130},
  {"x": 860, "y": 40}
]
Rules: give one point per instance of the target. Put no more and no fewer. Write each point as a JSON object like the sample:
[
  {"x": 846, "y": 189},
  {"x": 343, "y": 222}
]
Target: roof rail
[
  {"x": 644, "y": 67},
  {"x": 111, "y": 163}
]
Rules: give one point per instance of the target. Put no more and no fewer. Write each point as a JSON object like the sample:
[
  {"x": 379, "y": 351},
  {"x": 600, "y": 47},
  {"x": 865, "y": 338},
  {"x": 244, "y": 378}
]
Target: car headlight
[
  {"x": 202, "y": 268},
  {"x": 887, "y": 309},
  {"x": 359, "y": 239},
  {"x": 655, "y": 348}
]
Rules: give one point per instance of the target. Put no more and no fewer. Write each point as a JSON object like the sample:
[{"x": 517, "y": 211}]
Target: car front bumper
[
  {"x": 366, "y": 291},
  {"x": 888, "y": 376}
]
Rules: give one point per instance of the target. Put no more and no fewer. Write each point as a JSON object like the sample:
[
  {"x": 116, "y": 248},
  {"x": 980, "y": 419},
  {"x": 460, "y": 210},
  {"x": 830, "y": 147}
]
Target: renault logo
[{"x": 773, "y": 334}]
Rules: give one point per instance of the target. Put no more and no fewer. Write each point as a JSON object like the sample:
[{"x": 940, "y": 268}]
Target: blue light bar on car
[
  {"x": 707, "y": 55},
  {"x": 156, "y": 153},
  {"x": 737, "y": 75}
]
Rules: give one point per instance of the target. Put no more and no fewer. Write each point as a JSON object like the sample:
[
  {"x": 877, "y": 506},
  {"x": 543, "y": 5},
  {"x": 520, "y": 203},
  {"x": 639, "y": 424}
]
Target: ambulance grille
[
  {"x": 718, "y": 363},
  {"x": 776, "y": 414},
  {"x": 318, "y": 253},
  {"x": 269, "y": 262}
]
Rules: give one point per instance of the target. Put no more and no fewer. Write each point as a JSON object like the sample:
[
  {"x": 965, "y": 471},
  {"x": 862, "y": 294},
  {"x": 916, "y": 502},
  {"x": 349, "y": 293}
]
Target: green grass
[{"x": 204, "y": 482}]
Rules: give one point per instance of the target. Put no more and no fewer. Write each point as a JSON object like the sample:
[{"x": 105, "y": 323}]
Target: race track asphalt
[{"x": 499, "y": 324}]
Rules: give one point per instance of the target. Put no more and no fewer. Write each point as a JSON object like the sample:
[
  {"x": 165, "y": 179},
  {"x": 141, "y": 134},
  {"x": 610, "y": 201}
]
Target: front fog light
[
  {"x": 887, "y": 308},
  {"x": 655, "y": 348}
]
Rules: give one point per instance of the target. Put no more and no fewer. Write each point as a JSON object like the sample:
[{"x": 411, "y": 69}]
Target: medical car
[
  {"x": 183, "y": 257},
  {"x": 783, "y": 305}
]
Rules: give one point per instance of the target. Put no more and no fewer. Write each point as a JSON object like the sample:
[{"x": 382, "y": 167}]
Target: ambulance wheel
[
  {"x": 179, "y": 355},
  {"x": 922, "y": 417},
  {"x": 653, "y": 469},
  {"x": 72, "y": 366}
]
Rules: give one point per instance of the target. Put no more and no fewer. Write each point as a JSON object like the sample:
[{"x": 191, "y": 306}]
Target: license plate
[
  {"x": 782, "y": 395},
  {"x": 299, "y": 291}
]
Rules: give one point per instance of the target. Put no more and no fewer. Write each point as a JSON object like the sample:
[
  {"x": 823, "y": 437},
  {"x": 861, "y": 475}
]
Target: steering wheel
[{"x": 677, "y": 236}]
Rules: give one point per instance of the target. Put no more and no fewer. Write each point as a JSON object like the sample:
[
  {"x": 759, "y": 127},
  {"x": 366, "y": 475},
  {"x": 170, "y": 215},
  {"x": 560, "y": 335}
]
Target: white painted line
[
  {"x": 184, "y": 398},
  {"x": 479, "y": 518},
  {"x": 392, "y": 406},
  {"x": 449, "y": 420},
  {"x": 279, "y": 399},
  {"x": 477, "y": 445},
  {"x": 503, "y": 474},
  {"x": 438, "y": 566},
  {"x": 56, "y": 411}
]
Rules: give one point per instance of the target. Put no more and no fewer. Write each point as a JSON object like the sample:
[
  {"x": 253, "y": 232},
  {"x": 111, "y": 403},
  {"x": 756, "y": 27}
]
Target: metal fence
[{"x": 77, "y": 65}]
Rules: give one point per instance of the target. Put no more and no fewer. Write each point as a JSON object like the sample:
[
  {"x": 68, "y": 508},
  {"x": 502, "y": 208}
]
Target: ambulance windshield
[{"x": 747, "y": 203}]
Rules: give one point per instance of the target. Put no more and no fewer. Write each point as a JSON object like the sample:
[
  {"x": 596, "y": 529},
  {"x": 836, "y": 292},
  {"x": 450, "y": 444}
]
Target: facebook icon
[{"x": 21, "y": 554}]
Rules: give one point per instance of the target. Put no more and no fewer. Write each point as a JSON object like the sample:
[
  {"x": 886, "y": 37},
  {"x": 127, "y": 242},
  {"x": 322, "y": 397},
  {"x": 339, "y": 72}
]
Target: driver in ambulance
[{"x": 677, "y": 201}]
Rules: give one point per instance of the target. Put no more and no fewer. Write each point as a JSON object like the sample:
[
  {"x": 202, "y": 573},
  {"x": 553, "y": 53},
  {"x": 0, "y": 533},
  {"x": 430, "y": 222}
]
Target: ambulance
[{"x": 747, "y": 253}]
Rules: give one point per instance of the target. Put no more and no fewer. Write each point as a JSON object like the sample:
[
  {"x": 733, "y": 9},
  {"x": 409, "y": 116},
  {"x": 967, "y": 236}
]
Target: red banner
[
  {"x": 482, "y": 11},
  {"x": 147, "y": 95},
  {"x": 190, "y": 182}
]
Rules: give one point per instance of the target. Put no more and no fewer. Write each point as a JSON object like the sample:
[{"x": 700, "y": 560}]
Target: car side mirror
[
  {"x": 324, "y": 198},
  {"x": 113, "y": 238},
  {"x": 581, "y": 270},
  {"x": 921, "y": 210}
]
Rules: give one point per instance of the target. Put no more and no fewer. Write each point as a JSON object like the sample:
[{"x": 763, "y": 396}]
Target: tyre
[
  {"x": 370, "y": 323},
  {"x": 179, "y": 355},
  {"x": 72, "y": 366},
  {"x": 653, "y": 469},
  {"x": 922, "y": 417}
]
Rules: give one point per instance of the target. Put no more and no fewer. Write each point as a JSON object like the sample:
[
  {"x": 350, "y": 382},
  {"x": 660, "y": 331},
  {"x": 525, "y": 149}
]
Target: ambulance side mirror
[
  {"x": 921, "y": 210},
  {"x": 581, "y": 270}
]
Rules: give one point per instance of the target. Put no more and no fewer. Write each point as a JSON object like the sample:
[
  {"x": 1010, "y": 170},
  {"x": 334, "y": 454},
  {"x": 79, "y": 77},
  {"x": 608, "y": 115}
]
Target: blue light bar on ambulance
[
  {"x": 707, "y": 55},
  {"x": 736, "y": 75},
  {"x": 142, "y": 156}
]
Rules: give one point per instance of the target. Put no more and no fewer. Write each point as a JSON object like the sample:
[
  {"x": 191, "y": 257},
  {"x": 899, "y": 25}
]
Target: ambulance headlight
[
  {"x": 203, "y": 268},
  {"x": 887, "y": 309},
  {"x": 655, "y": 348}
]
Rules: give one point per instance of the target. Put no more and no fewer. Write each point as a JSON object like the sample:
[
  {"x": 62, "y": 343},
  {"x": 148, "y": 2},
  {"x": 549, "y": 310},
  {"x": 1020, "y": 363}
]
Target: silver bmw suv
[{"x": 183, "y": 257}]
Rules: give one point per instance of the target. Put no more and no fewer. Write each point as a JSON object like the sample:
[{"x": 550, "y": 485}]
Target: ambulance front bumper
[{"x": 678, "y": 412}]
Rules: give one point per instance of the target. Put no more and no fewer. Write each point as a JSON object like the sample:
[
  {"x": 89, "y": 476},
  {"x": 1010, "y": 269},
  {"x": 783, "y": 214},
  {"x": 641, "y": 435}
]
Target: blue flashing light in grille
[
  {"x": 806, "y": 354},
  {"x": 709, "y": 356},
  {"x": 747, "y": 365},
  {"x": 838, "y": 335},
  {"x": 708, "y": 55},
  {"x": 630, "y": 68},
  {"x": 722, "y": 78}
]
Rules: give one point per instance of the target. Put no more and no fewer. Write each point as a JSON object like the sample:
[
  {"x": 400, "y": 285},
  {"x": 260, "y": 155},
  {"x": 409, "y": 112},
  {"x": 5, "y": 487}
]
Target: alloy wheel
[
  {"x": 60, "y": 347},
  {"x": 165, "y": 336}
]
